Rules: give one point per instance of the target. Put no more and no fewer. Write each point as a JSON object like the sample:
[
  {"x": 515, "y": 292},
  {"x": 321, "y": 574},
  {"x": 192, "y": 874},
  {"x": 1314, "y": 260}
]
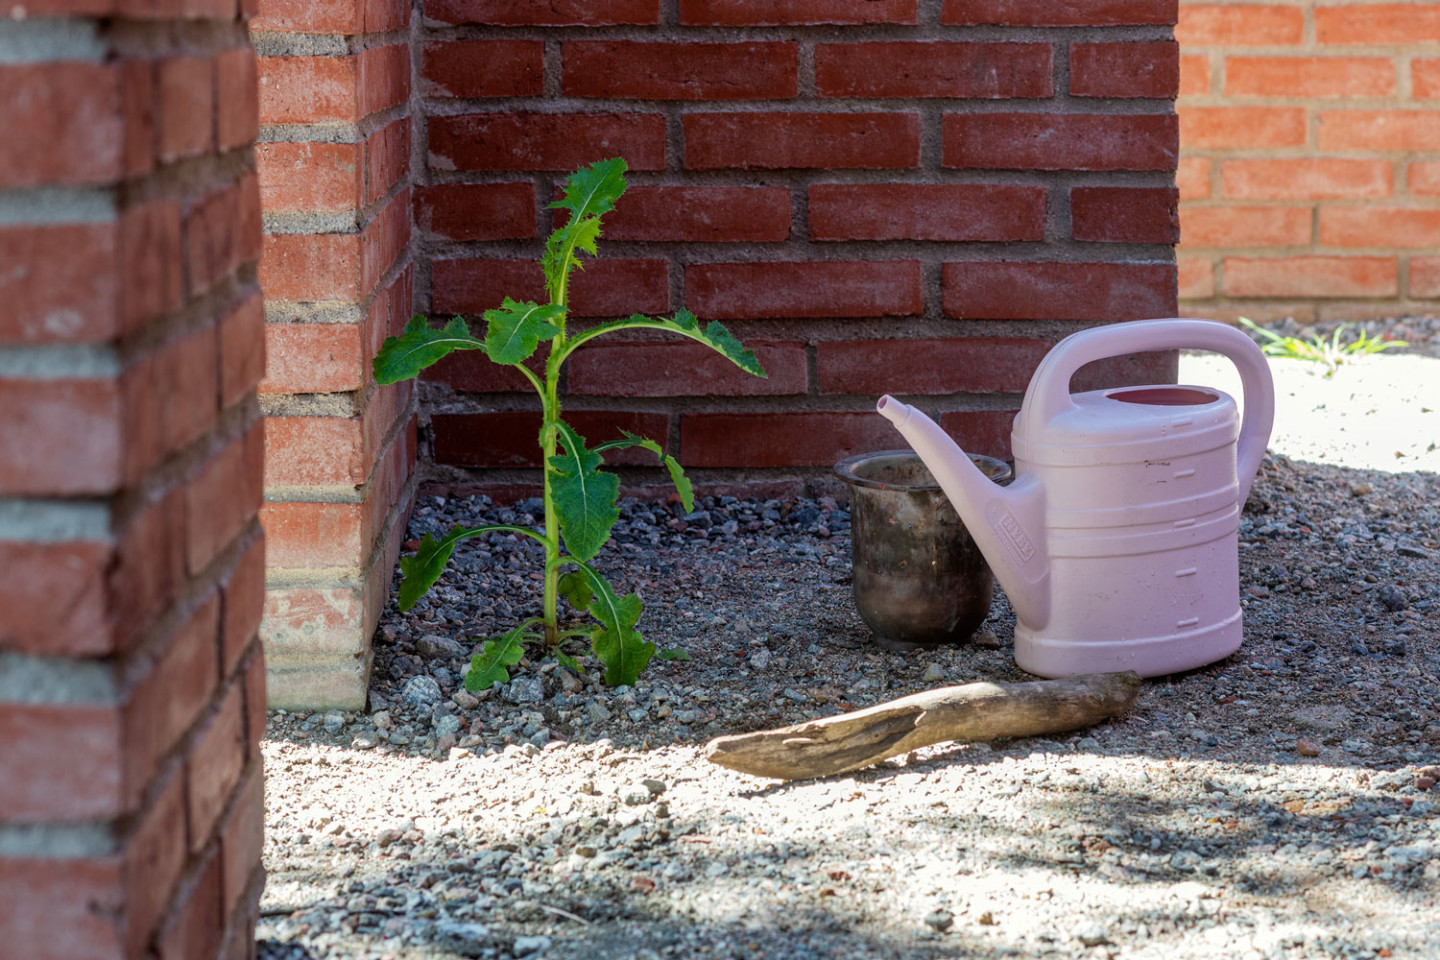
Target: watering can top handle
[{"x": 1049, "y": 392}]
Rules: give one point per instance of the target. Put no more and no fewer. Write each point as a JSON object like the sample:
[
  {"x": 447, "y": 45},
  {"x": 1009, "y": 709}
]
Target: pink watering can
[{"x": 1117, "y": 543}]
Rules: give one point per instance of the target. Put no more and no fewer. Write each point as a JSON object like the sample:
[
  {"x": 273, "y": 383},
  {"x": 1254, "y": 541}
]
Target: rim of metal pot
[{"x": 845, "y": 470}]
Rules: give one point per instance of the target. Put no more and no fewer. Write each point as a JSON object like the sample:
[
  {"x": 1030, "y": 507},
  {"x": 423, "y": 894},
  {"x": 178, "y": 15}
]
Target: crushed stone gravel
[{"x": 1279, "y": 804}]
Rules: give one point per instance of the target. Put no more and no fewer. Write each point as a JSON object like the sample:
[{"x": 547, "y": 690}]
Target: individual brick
[
  {"x": 1311, "y": 276},
  {"x": 786, "y": 439},
  {"x": 1425, "y": 277},
  {"x": 1058, "y": 291},
  {"x": 940, "y": 212},
  {"x": 605, "y": 288},
  {"x": 1371, "y": 226},
  {"x": 1423, "y": 177},
  {"x": 195, "y": 926},
  {"x": 186, "y": 88},
  {"x": 312, "y": 16},
  {"x": 1125, "y": 69},
  {"x": 804, "y": 289},
  {"x": 73, "y": 120},
  {"x": 484, "y": 68},
  {"x": 1125, "y": 214},
  {"x": 773, "y": 141},
  {"x": 242, "y": 599},
  {"x": 237, "y": 98},
  {"x": 556, "y": 13},
  {"x": 1398, "y": 130},
  {"x": 242, "y": 350},
  {"x": 700, "y": 214},
  {"x": 312, "y": 177},
  {"x": 1196, "y": 278},
  {"x": 65, "y": 437},
  {"x": 508, "y": 438},
  {"x": 223, "y": 495},
  {"x": 242, "y": 837},
  {"x": 1242, "y": 127},
  {"x": 654, "y": 70},
  {"x": 685, "y": 370},
  {"x": 1229, "y": 25},
  {"x": 1309, "y": 77},
  {"x": 1425, "y": 79},
  {"x": 779, "y": 13},
  {"x": 933, "y": 69},
  {"x": 545, "y": 141},
  {"x": 1245, "y": 226},
  {"x": 212, "y": 768},
  {"x": 1305, "y": 178},
  {"x": 387, "y": 159},
  {"x": 342, "y": 267},
  {"x": 1192, "y": 177},
  {"x": 1194, "y": 75},
  {"x": 68, "y": 290},
  {"x": 1057, "y": 13},
  {"x": 482, "y": 211},
  {"x": 1405, "y": 24},
  {"x": 928, "y": 366},
  {"x": 1039, "y": 141},
  {"x": 312, "y": 358},
  {"x": 309, "y": 90}
]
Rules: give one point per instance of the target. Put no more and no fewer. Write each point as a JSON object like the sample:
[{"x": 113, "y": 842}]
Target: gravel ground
[{"x": 1280, "y": 803}]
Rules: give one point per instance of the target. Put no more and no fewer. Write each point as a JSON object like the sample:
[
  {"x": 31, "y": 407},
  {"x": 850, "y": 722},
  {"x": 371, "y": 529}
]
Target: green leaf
[
  {"x": 677, "y": 473},
  {"x": 515, "y": 329},
  {"x": 584, "y": 497},
  {"x": 424, "y": 568},
  {"x": 719, "y": 339},
  {"x": 616, "y": 642},
  {"x": 674, "y": 653},
  {"x": 568, "y": 661},
  {"x": 560, "y": 250},
  {"x": 487, "y": 667},
  {"x": 418, "y": 346},
  {"x": 593, "y": 190},
  {"x": 575, "y": 589}
]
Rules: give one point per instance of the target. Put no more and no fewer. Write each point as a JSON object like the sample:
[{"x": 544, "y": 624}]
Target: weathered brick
[
  {"x": 73, "y": 120},
  {"x": 481, "y": 211},
  {"x": 1192, "y": 177},
  {"x": 384, "y": 77},
  {"x": 1125, "y": 70},
  {"x": 1237, "y": 24},
  {"x": 1058, "y": 291},
  {"x": 68, "y": 290},
  {"x": 651, "y": 70},
  {"x": 73, "y": 760},
  {"x": 484, "y": 68},
  {"x": 766, "y": 140},
  {"x": 311, "y": 16},
  {"x": 186, "y": 88},
  {"x": 508, "y": 438},
  {"x": 342, "y": 267},
  {"x": 1125, "y": 214},
  {"x": 1040, "y": 141},
  {"x": 1311, "y": 276},
  {"x": 317, "y": 177},
  {"x": 928, "y": 366},
  {"x": 545, "y": 141},
  {"x": 933, "y": 69},
  {"x": 242, "y": 836},
  {"x": 1057, "y": 13},
  {"x": 1309, "y": 77},
  {"x": 1405, "y": 24},
  {"x": 804, "y": 289},
  {"x": 1423, "y": 177},
  {"x": 756, "y": 13},
  {"x": 685, "y": 214},
  {"x": 237, "y": 97},
  {"x": 1370, "y": 226},
  {"x": 213, "y": 228},
  {"x": 1196, "y": 277},
  {"x": 309, "y": 89},
  {"x": 1245, "y": 226},
  {"x": 213, "y": 766},
  {"x": 941, "y": 212},
  {"x": 242, "y": 598},
  {"x": 1379, "y": 129},
  {"x": 195, "y": 925},
  {"x": 1425, "y": 277},
  {"x": 387, "y": 159},
  {"x": 1194, "y": 75},
  {"x": 62, "y": 437},
  {"x": 312, "y": 358},
  {"x": 786, "y": 439},
  {"x": 1248, "y": 128},
  {"x": 557, "y": 13},
  {"x": 1305, "y": 178},
  {"x": 151, "y": 261},
  {"x": 684, "y": 370},
  {"x": 242, "y": 350},
  {"x": 331, "y": 451},
  {"x": 253, "y": 676},
  {"x": 605, "y": 288}
]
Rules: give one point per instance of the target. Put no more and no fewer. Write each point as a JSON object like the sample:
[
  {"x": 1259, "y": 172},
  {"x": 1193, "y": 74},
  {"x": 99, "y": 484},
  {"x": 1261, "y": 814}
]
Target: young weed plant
[
  {"x": 1331, "y": 353},
  {"x": 579, "y": 497}
]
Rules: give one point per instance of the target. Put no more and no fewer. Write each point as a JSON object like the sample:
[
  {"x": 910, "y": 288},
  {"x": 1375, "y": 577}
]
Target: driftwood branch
[{"x": 975, "y": 711}]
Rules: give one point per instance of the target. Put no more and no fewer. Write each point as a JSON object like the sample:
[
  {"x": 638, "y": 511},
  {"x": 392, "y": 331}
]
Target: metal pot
[{"x": 919, "y": 579}]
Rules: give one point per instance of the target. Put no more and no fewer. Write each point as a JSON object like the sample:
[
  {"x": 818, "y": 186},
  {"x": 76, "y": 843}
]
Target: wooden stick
[{"x": 975, "y": 711}]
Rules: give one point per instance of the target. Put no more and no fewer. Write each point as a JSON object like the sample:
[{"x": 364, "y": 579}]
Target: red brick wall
[
  {"x": 1310, "y": 169},
  {"x": 877, "y": 194},
  {"x": 132, "y": 682},
  {"x": 334, "y": 165}
]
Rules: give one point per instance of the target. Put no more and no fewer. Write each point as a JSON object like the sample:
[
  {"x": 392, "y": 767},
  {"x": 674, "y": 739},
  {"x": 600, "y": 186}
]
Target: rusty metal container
[{"x": 919, "y": 579}]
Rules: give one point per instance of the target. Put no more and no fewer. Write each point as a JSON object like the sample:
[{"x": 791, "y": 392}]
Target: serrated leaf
[
  {"x": 487, "y": 667},
  {"x": 719, "y": 339},
  {"x": 677, "y": 473},
  {"x": 418, "y": 346},
  {"x": 584, "y": 497},
  {"x": 515, "y": 329},
  {"x": 575, "y": 589},
  {"x": 593, "y": 190},
  {"x": 424, "y": 568},
  {"x": 616, "y": 641}
]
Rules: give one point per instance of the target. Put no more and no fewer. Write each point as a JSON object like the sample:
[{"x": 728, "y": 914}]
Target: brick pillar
[
  {"x": 879, "y": 195},
  {"x": 334, "y": 179},
  {"x": 132, "y": 683}
]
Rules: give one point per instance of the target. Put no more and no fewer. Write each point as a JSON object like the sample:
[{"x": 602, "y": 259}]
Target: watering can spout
[{"x": 1007, "y": 523}]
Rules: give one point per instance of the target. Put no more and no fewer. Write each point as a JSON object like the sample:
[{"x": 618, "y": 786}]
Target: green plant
[
  {"x": 579, "y": 498},
  {"x": 1331, "y": 353}
]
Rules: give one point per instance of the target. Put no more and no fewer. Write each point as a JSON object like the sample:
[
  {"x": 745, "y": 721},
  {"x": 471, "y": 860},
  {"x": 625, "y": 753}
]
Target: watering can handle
[{"x": 1049, "y": 393}]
